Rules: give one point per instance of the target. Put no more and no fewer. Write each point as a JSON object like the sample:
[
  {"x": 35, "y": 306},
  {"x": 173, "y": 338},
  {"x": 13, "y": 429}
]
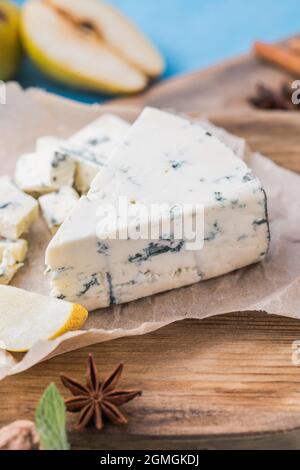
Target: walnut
[{"x": 20, "y": 435}]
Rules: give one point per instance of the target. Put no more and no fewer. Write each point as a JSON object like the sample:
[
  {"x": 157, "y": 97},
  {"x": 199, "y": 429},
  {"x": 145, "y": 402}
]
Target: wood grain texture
[
  {"x": 201, "y": 381},
  {"x": 272, "y": 133},
  {"x": 226, "y": 382}
]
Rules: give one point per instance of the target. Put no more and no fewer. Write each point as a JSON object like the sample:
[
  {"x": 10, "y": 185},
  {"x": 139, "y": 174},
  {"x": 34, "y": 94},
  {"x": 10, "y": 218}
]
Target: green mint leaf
[{"x": 50, "y": 420}]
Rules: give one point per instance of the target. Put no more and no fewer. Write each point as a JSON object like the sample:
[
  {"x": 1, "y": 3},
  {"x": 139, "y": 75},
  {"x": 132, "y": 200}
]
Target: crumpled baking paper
[{"x": 272, "y": 286}]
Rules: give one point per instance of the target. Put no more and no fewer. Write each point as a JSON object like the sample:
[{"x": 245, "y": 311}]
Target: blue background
[{"x": 193, "y": 34}]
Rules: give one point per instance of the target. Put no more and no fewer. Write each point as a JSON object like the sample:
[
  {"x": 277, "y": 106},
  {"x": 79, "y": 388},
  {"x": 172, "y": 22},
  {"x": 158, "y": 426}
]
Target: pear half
[
  {"x": 89, "y": 45},
  {"x": 10, "y": 49}
]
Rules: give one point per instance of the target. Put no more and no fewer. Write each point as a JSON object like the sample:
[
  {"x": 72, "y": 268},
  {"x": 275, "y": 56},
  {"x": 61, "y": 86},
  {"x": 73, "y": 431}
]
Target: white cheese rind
[
  {"x": 18, "y": 211},
  {"x": 163, "y": 159},
  {"x": 7, "y": 272},
  {"x": 56, "y": 206}
]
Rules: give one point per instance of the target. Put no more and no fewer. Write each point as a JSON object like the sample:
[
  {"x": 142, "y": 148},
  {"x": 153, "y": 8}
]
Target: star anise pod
[
  {"x": 97, "y": 400},
  {"x": 267, "y": 98}
]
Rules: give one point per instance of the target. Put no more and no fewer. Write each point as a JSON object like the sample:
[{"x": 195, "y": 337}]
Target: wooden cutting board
[{"x": 226, "y": 382}]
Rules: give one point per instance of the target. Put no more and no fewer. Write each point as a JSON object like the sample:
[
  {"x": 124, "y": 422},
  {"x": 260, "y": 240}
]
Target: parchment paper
[{"x": 272, "y": 286}]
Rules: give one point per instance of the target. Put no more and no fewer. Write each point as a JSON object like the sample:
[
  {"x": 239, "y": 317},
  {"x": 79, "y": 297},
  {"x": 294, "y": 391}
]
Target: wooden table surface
[
  {"x": 226, "y": 382},
  {"x": 202, "y": 382}
]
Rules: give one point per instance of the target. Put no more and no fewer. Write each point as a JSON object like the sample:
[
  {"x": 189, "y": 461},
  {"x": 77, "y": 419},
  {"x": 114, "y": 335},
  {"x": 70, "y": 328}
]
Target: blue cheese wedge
[
  {"x": 163, "y": 159},
  {"x": 12, "y": 255},
  {"x": 45, "y": 171},
  {"x": 92, "y": 146},
  {"x": 56, "y": 206},
  {"x": 18, "y": 211}
]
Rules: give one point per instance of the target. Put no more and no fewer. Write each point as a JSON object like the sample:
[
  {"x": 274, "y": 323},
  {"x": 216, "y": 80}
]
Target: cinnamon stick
[
  {"x": 280, "y": 56},
  {"x": 294, "y": 44}
]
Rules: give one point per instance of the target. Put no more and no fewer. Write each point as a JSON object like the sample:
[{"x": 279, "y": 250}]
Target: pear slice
[
  {"x": 26, "y": 318},
  {"x": 71, "y": 51}
]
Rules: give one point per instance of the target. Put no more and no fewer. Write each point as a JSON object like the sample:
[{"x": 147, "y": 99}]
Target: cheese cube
[
  {"x": 7, "y": 272},
  {"x": 57, "y": 162},
  {"x": 18, "y": 211},
  {"x": 45, "y": 171},
  {"x": 12, "y": 254},
  {"x": 167, "y": 160},
  {"x": 17, "y": 249},
  {"x": 92, "y": 146},
  {"x": 57, "y": 206}
]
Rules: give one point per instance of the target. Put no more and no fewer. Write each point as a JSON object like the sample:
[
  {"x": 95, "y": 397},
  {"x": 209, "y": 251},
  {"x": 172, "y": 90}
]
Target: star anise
[
  {"x": 267, "y": 98},
  {"x": 97, "y": 400}
]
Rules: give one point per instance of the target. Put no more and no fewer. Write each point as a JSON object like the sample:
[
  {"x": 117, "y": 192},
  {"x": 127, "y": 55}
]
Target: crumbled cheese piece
[
  {"x": 18, "y": 211},
  {"x": 57, "y": 162},
  {"x": 45, "y": 171},
  {"x": 12, "y": 255},
  {"x": 57, "y": 206},
  {"x": 16, "y": 249},
  {"x": 92, "y": 146}
]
